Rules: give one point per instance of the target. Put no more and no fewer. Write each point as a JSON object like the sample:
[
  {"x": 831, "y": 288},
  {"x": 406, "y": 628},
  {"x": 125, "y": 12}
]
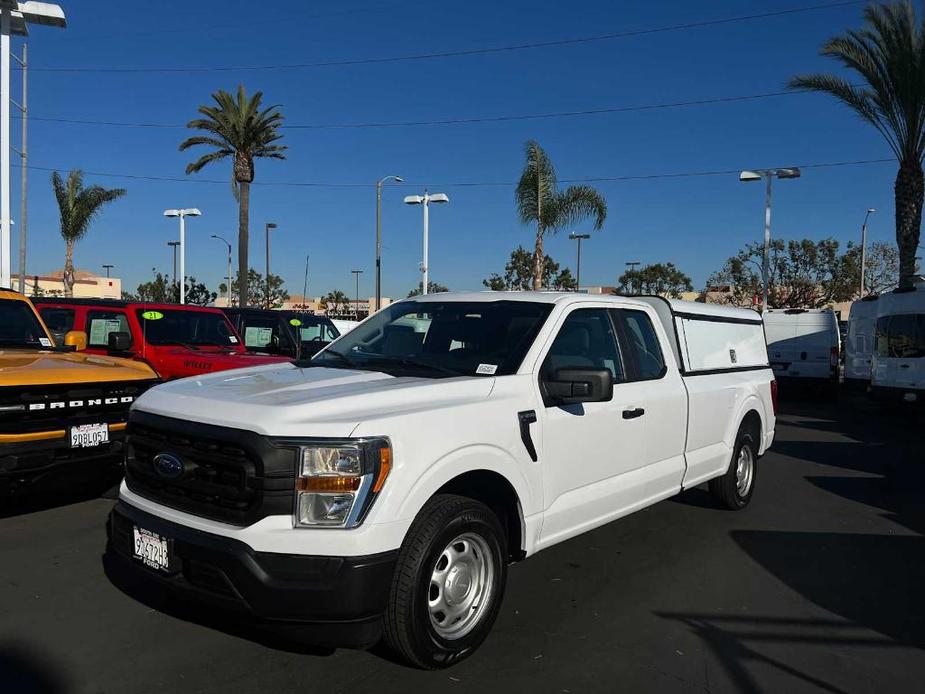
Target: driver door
[{"x": 589, "y": 449}]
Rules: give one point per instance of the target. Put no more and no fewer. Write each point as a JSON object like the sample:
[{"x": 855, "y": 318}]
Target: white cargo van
[
  {"x": 899, "y": 351},
  {"x": 803, "y": 344},
  {"x": 383, "y": 487},
  {"x": 859, "y": 344}
]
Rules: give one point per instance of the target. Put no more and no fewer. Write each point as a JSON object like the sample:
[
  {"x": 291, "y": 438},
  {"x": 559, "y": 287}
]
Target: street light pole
[
  {"x": 425, "y": 200},
  {"x": 107, "y": 268},
  {"x": 379, "y": 184},
  {"x": 228, "y": 286},
  {"x": 864, "y": 248},
  {"x": 632, "y": 266},
  {"x": 768, "y": 175},
  {"x": 24, "y": 156},
  {"x": 182, "y": 214},
  {"x": 356, "y": 274},
  {"x": 174, "y": 245},
  {"x": 268, "y": 226},
  {"x": 579, "y": 238}
]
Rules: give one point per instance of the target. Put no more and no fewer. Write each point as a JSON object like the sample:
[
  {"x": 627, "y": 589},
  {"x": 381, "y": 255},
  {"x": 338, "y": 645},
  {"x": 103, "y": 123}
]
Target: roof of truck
[{"x": 122, "y": 303}]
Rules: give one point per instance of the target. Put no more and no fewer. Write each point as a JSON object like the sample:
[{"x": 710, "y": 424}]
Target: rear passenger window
[
  {"x": 585, "y": 340},
  {"x": 100, "y": 324},
  {"x": 642, "y": 342},
  {"x": 59, "y": 321}
]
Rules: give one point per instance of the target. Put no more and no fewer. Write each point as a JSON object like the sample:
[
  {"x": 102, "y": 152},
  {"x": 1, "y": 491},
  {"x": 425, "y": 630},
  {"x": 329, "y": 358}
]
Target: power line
[
  {"x": 449, "y": 121},
  {"x": 465, "y": 184},
  {"x": 458, "y": 53}
]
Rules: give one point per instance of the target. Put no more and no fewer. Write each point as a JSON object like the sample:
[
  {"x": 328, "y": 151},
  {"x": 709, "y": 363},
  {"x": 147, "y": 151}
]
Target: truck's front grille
[{"x": 225, "y": 474}]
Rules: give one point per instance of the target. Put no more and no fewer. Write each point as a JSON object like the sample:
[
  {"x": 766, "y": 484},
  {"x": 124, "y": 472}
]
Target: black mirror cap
[
  {"x": 119, "y": 341},
  {"x": 577, "y": 385}
]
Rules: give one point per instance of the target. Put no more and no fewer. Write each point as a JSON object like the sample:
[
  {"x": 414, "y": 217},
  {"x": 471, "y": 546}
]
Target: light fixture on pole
[
  {"x": 769, "y": 175},
  {"x": 870, "y": 211},
  {"x": 267, "y": 227},
  {"x": 356, "y": 310},
  {"x": 379, "y": 184},
  {"x": 425, "y": 201},
  {"x": 182, "y": 214},
  {"x": 14, "y": 16},
  {"x": 229, "y": 278},
  {"x": 632, "y": 266},
  {"x": 578, "y": 237},
  {"x": 107, "y": 268}
]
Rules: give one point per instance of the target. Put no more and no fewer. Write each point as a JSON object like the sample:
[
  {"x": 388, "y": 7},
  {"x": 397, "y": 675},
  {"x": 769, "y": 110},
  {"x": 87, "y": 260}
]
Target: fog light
[{"x": 324, "y": 509}]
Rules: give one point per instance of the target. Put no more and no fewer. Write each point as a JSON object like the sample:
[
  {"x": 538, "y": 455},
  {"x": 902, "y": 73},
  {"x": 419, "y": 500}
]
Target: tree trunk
[
  {"x": 244, "y": 200},
  {"x": 908, "y": 192},
  {"x": 67, "y": 278},
  {"x": 539, "y": 260}
]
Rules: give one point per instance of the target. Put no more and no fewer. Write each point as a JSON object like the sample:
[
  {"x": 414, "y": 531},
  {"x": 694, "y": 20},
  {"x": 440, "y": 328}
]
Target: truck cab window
[
  {"x": 585, "y": 340},
  {"x": 101, "y": 323},
  {"x": 60, "y": 321},
  {"x": 642, "y": 340}
]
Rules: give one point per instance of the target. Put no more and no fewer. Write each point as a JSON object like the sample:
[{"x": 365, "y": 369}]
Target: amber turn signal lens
[
  {"x": 332, "y": 483},
  {"x": 385, "y": 466}
]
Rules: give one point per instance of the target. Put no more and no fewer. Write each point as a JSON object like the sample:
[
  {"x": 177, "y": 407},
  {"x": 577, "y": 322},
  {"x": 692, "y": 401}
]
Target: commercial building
[{"x": 87, "y": 285}]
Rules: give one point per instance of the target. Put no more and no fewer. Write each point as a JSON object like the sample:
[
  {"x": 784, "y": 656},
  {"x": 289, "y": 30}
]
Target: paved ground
[{"x": 817, "y": 587}]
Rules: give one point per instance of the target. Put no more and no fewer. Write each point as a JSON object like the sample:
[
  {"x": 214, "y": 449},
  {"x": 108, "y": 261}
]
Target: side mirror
[
  {"x": 76, "y": 339},
  {"x": 573, "y": 386},
  {"x": 119, "y": 341}
]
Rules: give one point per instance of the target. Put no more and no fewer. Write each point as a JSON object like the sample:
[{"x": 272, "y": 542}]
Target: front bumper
[
  {"x": 335, "y": 601},
  {"x": 49, "y": 463}
]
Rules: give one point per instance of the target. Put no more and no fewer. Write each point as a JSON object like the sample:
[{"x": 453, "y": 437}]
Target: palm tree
[
  {"x": 888, "y": 54},
  {"x": 78, "y": 206},
  {"x": 539, "y": 200},
  {"x": 237, "y": 127}
]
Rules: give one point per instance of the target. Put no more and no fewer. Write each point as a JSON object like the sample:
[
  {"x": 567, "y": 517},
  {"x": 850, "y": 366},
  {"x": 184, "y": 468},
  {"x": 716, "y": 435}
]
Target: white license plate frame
[
  {"x": 88, "y": 435},
  {"x": 152, "y": 549}
]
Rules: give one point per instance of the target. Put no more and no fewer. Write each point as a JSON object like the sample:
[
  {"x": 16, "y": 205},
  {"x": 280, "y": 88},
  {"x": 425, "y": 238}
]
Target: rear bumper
[
  {"x": 335, "y": 601},
  {"x": 912, "y": 396}
]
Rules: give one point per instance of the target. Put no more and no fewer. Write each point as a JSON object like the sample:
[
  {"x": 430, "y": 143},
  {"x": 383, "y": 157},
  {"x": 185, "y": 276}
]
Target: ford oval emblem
[{"x": 168, "y": 466}]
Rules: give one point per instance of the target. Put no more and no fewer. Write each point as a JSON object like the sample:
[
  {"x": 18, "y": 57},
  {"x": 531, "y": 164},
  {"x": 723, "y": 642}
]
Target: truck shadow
[{"x": 24, "y": 671}]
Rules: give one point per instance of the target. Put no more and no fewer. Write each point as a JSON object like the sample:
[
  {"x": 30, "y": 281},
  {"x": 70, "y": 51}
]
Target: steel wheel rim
[
  {"x": 745, "y": 471},
  {"x": 461, "y": 586}
]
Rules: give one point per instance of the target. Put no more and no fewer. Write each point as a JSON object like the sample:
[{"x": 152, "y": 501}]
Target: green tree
[
  {"x": 239, "y": 128},
  {"x": 539, "y": 200},
  {"x": 78, "y": 206},
  {"x": 660, "y": 279},
  {"x": 335, "y": 303},
  {"x": 160, "y": 290},
  {"x": 432, "y": 288},
  {"x": 801, "y": 274},
  {"x": 257, "y": 290},
  {"x": 888, "y": 57},
  {"x": 518, "y": 274}
]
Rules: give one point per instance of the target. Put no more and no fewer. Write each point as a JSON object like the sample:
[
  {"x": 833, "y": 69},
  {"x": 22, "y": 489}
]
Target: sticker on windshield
[
  {"x": 487, "y": 369},
  {"x": 152, "y": 315},
  {"x": 296, "y": 322},
  {"x": 45, "y": 342},
  {"x": 232, "y": 339}
]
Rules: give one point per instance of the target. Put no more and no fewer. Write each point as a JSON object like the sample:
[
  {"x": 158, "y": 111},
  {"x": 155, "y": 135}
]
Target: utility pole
[
  {"x": 864, "y": 248},
  {"x": 379, "y": 183},
  {"x": 174, "y": 245},
  {"x": 305, "y": 285},
  {"x": 632, "y": 266},
  {"x": 23, "y": 155},
  {"x": 579, "y": 238},
  {"x": 356, "y": 311},
  {"x": 268, "y": 226}
]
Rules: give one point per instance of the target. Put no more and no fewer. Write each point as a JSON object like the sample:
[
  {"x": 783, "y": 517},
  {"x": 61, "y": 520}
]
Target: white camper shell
[
  {"x": 803, "y": 344},
  {"x": 859, "y": 345},
  {"x": 898, "y": 364}
]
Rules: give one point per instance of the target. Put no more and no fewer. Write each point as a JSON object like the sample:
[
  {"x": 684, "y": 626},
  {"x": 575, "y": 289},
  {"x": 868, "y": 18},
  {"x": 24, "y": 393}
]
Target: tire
[
  {"x": 463, "y": 540},
  {"x": 733, "y": 490}
]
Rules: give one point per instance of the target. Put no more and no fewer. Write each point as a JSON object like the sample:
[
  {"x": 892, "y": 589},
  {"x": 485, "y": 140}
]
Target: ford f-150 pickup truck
[
  {"x": 383, "y": 487},
  {"x": 176, "y": 340}
]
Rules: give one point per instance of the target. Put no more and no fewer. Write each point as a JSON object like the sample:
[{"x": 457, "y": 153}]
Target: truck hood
[
  {"x": 285, "y": 400},
  {"x": 23, "y": 367}
]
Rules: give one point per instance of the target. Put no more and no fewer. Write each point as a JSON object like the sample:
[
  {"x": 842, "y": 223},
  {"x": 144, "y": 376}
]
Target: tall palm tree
[
  {"x": 78, "y": 207},
  {"x": 539, "y": 200},
  {"x": 888, "y": 54},
  {"x": 237, "y": 127}
]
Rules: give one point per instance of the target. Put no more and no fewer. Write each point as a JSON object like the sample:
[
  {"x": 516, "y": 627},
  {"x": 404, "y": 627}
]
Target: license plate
[
  {"x": 151, "y": 549},
  {"x": 89, "y": 435}
]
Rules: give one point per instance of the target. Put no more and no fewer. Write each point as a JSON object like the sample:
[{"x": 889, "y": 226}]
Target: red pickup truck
[{"x": 175, "y": 340}]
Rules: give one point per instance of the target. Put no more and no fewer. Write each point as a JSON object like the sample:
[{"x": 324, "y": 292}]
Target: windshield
[
  {"x": 441, "y": 339},
  {"x": 187, "y": 328},
  {"x": 19, "y": 326}
]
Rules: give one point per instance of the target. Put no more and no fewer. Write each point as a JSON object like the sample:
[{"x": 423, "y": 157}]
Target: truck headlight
[{"x": 337, "y": 482}]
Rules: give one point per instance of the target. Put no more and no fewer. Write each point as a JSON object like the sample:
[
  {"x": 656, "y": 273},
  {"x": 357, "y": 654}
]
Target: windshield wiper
[
  {"x": 305, "y": 363},
  {"x": 415, "y": 363}
]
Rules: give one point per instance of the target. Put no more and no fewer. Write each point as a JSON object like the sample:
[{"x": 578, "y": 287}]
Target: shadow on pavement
[{"x": 23, "y": 671}]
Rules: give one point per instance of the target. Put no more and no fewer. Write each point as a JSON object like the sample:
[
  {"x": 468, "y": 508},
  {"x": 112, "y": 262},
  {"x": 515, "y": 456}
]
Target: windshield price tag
[
  {"x": 487, "y": 369},
  {"x": 152, "y": 315}
]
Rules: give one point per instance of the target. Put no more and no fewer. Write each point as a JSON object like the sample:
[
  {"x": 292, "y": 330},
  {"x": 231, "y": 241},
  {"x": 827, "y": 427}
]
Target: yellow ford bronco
[{"x": 62, "y": 413}]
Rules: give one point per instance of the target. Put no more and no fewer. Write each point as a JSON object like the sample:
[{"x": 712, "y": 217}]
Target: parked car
[
  {"x": 804, "y": 345},
  {"x": 385, "y": 487},
  {"x": 898, "y": 370},
  {"x": 294, "y": 334},
  {"x": 859, "y": 345},
  {"x": 62, "y": 412},
  {"x": 176, "y": 340}
]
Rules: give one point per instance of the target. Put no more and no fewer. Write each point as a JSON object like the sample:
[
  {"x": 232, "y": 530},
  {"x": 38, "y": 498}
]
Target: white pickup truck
[{"x": 383, "y": 488}]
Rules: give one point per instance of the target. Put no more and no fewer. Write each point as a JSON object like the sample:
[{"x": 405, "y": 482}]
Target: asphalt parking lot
[{"x": 818, "y": 586}]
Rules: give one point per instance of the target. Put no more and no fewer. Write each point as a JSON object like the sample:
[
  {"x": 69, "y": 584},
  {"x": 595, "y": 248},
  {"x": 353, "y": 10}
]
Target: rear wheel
[
  {"x": 735, "y": 488},
  {"x": 448, "y": 582}
]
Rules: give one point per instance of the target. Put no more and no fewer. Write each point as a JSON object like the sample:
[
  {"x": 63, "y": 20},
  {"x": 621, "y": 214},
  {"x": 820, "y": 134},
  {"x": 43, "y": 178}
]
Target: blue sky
[{"x": 695, "y": 222}]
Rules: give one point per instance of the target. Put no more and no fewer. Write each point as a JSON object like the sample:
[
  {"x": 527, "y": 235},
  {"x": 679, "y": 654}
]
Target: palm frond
[{"x": 577, "y": 203}]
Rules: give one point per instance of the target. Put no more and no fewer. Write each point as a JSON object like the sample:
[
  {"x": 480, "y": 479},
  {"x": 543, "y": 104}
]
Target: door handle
[
  {"x": 903, "y": 366},
  {"x": 633, "y": 413}
]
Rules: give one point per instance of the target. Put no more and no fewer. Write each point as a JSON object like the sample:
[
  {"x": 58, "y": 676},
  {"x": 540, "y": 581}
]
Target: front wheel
[
  {"x": 448, "y": 582},
  {"x": 734, "y": 489}
]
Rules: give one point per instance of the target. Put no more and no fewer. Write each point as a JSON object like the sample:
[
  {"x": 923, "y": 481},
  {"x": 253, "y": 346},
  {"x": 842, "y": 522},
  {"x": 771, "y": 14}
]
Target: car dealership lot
[{"x": 815, "y": 587}]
